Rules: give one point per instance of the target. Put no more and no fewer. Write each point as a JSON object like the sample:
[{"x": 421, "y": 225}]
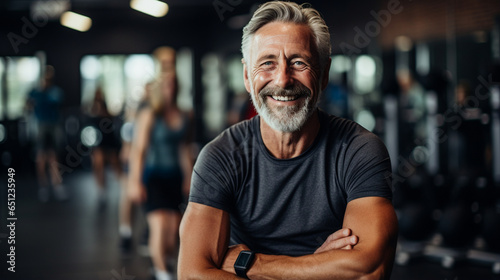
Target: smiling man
[{"x": 299, "y": 194}]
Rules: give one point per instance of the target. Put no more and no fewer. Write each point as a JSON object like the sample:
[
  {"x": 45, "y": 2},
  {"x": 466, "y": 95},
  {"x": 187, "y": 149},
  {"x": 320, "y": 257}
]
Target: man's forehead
[
  {"x": 279, "y": 34},
  {"x": 270, "y": 39}
]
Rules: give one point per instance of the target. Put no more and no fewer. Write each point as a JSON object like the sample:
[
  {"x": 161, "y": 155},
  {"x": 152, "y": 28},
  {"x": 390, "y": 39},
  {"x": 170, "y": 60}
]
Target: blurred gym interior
[{"x": 423, "y": 75}]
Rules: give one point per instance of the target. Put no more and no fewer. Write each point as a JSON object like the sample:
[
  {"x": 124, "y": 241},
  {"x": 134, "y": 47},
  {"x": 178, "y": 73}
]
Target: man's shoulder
[
  {"x": 344, "y": 127},
  {"x": 348, "y": 132}
]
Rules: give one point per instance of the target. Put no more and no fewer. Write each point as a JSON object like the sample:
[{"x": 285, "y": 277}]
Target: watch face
[{"x": 243, "y": 259}]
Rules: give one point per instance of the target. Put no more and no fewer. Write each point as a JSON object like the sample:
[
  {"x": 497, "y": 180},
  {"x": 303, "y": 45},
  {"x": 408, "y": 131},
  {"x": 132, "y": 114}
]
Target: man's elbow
[
  {"x": 189, "y": 267},
  {"x": 189, "y": 273},
  {"x": 379, "y": 273},
  {"x": 376, "y": 268},
  {"x": 377, "y": 262},
  {"x": 192, "y": 273},
  {"x": 192, "y": 267}
]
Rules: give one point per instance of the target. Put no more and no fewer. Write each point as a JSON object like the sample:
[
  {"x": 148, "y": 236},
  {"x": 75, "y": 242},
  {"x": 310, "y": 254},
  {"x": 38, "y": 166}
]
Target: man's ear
[
  {"x": 245, "y": 76},
  {"x": 326, "y": 74}
]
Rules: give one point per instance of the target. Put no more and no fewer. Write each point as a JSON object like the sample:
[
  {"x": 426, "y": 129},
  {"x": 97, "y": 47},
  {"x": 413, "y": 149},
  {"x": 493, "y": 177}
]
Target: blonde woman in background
[{"x": 161, "y": 165}]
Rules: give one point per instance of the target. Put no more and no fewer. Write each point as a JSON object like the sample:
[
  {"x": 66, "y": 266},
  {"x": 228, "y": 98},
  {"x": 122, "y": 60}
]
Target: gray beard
[{"x": 284, "y": 118}]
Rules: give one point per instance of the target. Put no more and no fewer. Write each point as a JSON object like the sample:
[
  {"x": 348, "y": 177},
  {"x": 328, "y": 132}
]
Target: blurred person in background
[
  {"x": 107, "y": 149},
  {"x": 161, "y": 165},
  {"x": 110, "y": 151},
  {"x": 126, "y": 206},
  {"x": 467, "y": 136},
  {"x": 335, "y": 99},
  {"x": 413, "y": 109},
  {"x": 126, "y": 203},
  {"x": 46, "y": 103}
]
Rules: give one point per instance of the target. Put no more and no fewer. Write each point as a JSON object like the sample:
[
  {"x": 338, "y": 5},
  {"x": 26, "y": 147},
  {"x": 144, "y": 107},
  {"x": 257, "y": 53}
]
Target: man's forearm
[
  {"x": 374, "y": 223},
  {"x": 334, "y": 264}
]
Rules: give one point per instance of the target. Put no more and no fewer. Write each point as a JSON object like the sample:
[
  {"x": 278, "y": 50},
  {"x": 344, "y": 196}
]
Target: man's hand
[
  {"x": 231, "y": 255},
  {"x": 341, "y": 239}
]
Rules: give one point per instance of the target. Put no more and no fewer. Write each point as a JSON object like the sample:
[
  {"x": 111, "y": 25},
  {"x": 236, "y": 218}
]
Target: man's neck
[{"x": 283, "y": 145}]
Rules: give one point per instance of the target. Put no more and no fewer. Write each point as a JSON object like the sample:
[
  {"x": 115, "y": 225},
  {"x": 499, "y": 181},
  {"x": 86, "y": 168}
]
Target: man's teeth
[{"x": 285, "y": 98}]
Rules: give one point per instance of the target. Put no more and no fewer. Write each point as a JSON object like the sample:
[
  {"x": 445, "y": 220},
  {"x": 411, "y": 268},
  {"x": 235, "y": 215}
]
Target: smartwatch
[{"x": 243, "y": 263}]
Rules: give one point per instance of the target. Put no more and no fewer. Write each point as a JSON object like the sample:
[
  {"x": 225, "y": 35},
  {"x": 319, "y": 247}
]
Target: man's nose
[{"x": 283, "y": 78}]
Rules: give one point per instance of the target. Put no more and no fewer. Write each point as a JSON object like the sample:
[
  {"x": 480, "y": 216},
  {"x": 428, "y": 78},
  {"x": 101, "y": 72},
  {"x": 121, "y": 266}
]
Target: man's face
[{"x": 283, "y": 75}]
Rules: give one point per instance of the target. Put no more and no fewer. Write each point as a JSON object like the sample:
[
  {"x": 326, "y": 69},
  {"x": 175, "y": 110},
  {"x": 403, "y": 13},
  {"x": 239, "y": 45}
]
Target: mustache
[{"x": 295, "y": 90}]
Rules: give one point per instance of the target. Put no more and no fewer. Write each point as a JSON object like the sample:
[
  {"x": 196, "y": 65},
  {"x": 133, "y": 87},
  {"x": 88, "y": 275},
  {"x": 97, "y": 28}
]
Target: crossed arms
[{"x": 363, "y": 249}]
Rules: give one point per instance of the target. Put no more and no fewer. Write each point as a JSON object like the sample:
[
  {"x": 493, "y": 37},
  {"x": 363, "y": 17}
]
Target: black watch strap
[
  {"x": 241, "y": 272},
  {"x": 243, "y": 263}
]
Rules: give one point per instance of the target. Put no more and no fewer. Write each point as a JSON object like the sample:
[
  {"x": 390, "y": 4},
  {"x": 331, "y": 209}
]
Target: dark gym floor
[{"x": 76, "y": 239}]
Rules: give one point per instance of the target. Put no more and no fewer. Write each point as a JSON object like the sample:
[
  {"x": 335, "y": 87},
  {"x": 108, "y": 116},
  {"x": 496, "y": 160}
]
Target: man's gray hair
[{"x": 280, "y": 11}]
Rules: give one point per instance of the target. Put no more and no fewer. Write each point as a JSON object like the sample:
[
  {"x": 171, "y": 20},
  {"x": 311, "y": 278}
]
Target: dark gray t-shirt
[{"x": 289, "y": 207}]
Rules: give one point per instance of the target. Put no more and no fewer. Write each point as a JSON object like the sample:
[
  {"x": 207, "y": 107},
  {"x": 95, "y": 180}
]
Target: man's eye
[
  {"x": 299, "y": 63},
  {"x": 267, "y": 63}
]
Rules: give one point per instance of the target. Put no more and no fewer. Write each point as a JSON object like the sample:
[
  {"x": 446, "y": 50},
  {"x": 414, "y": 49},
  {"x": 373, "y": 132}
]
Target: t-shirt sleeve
[
  {"x": 367, "y": 168},
  {"x": 211, "y": 179}
]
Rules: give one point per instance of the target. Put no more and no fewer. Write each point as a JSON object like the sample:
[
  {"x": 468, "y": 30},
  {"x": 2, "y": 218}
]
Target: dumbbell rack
[
  {"x": 449, "y": 257},
  {"x": 485, "y": 257}
]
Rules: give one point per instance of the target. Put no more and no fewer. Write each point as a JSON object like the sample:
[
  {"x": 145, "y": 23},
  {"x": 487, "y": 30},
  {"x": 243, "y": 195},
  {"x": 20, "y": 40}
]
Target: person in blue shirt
[{"x": 45, "y": 103}]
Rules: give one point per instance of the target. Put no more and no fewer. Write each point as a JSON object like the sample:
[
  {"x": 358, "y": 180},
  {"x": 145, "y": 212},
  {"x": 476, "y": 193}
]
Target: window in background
[
  {"x": 2, "y": 71},
  {"x": 365, "y": 74},
  {"x": 90, "y": 71},
  {"x": 23, "y": 74},
  {"x": 185, "y": 73},
  {"x": 123, "y": 78},
  {"x": 139, "y": 70},
  {"x": 234, "y": 68},
  {"x": 366, "y": 119},
  {"x": 214, "y": 90},
  {"x": 341, "y": 64},
  {"x": 105, "y": 72},
  {"x": 240, "y": 106}
]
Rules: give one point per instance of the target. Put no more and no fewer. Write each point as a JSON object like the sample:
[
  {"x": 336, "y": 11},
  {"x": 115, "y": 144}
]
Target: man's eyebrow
[
  {"x": 299, "y": 55},
  {"x": 266, "y": 56},
  {"x": 291, "y": 57}
]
